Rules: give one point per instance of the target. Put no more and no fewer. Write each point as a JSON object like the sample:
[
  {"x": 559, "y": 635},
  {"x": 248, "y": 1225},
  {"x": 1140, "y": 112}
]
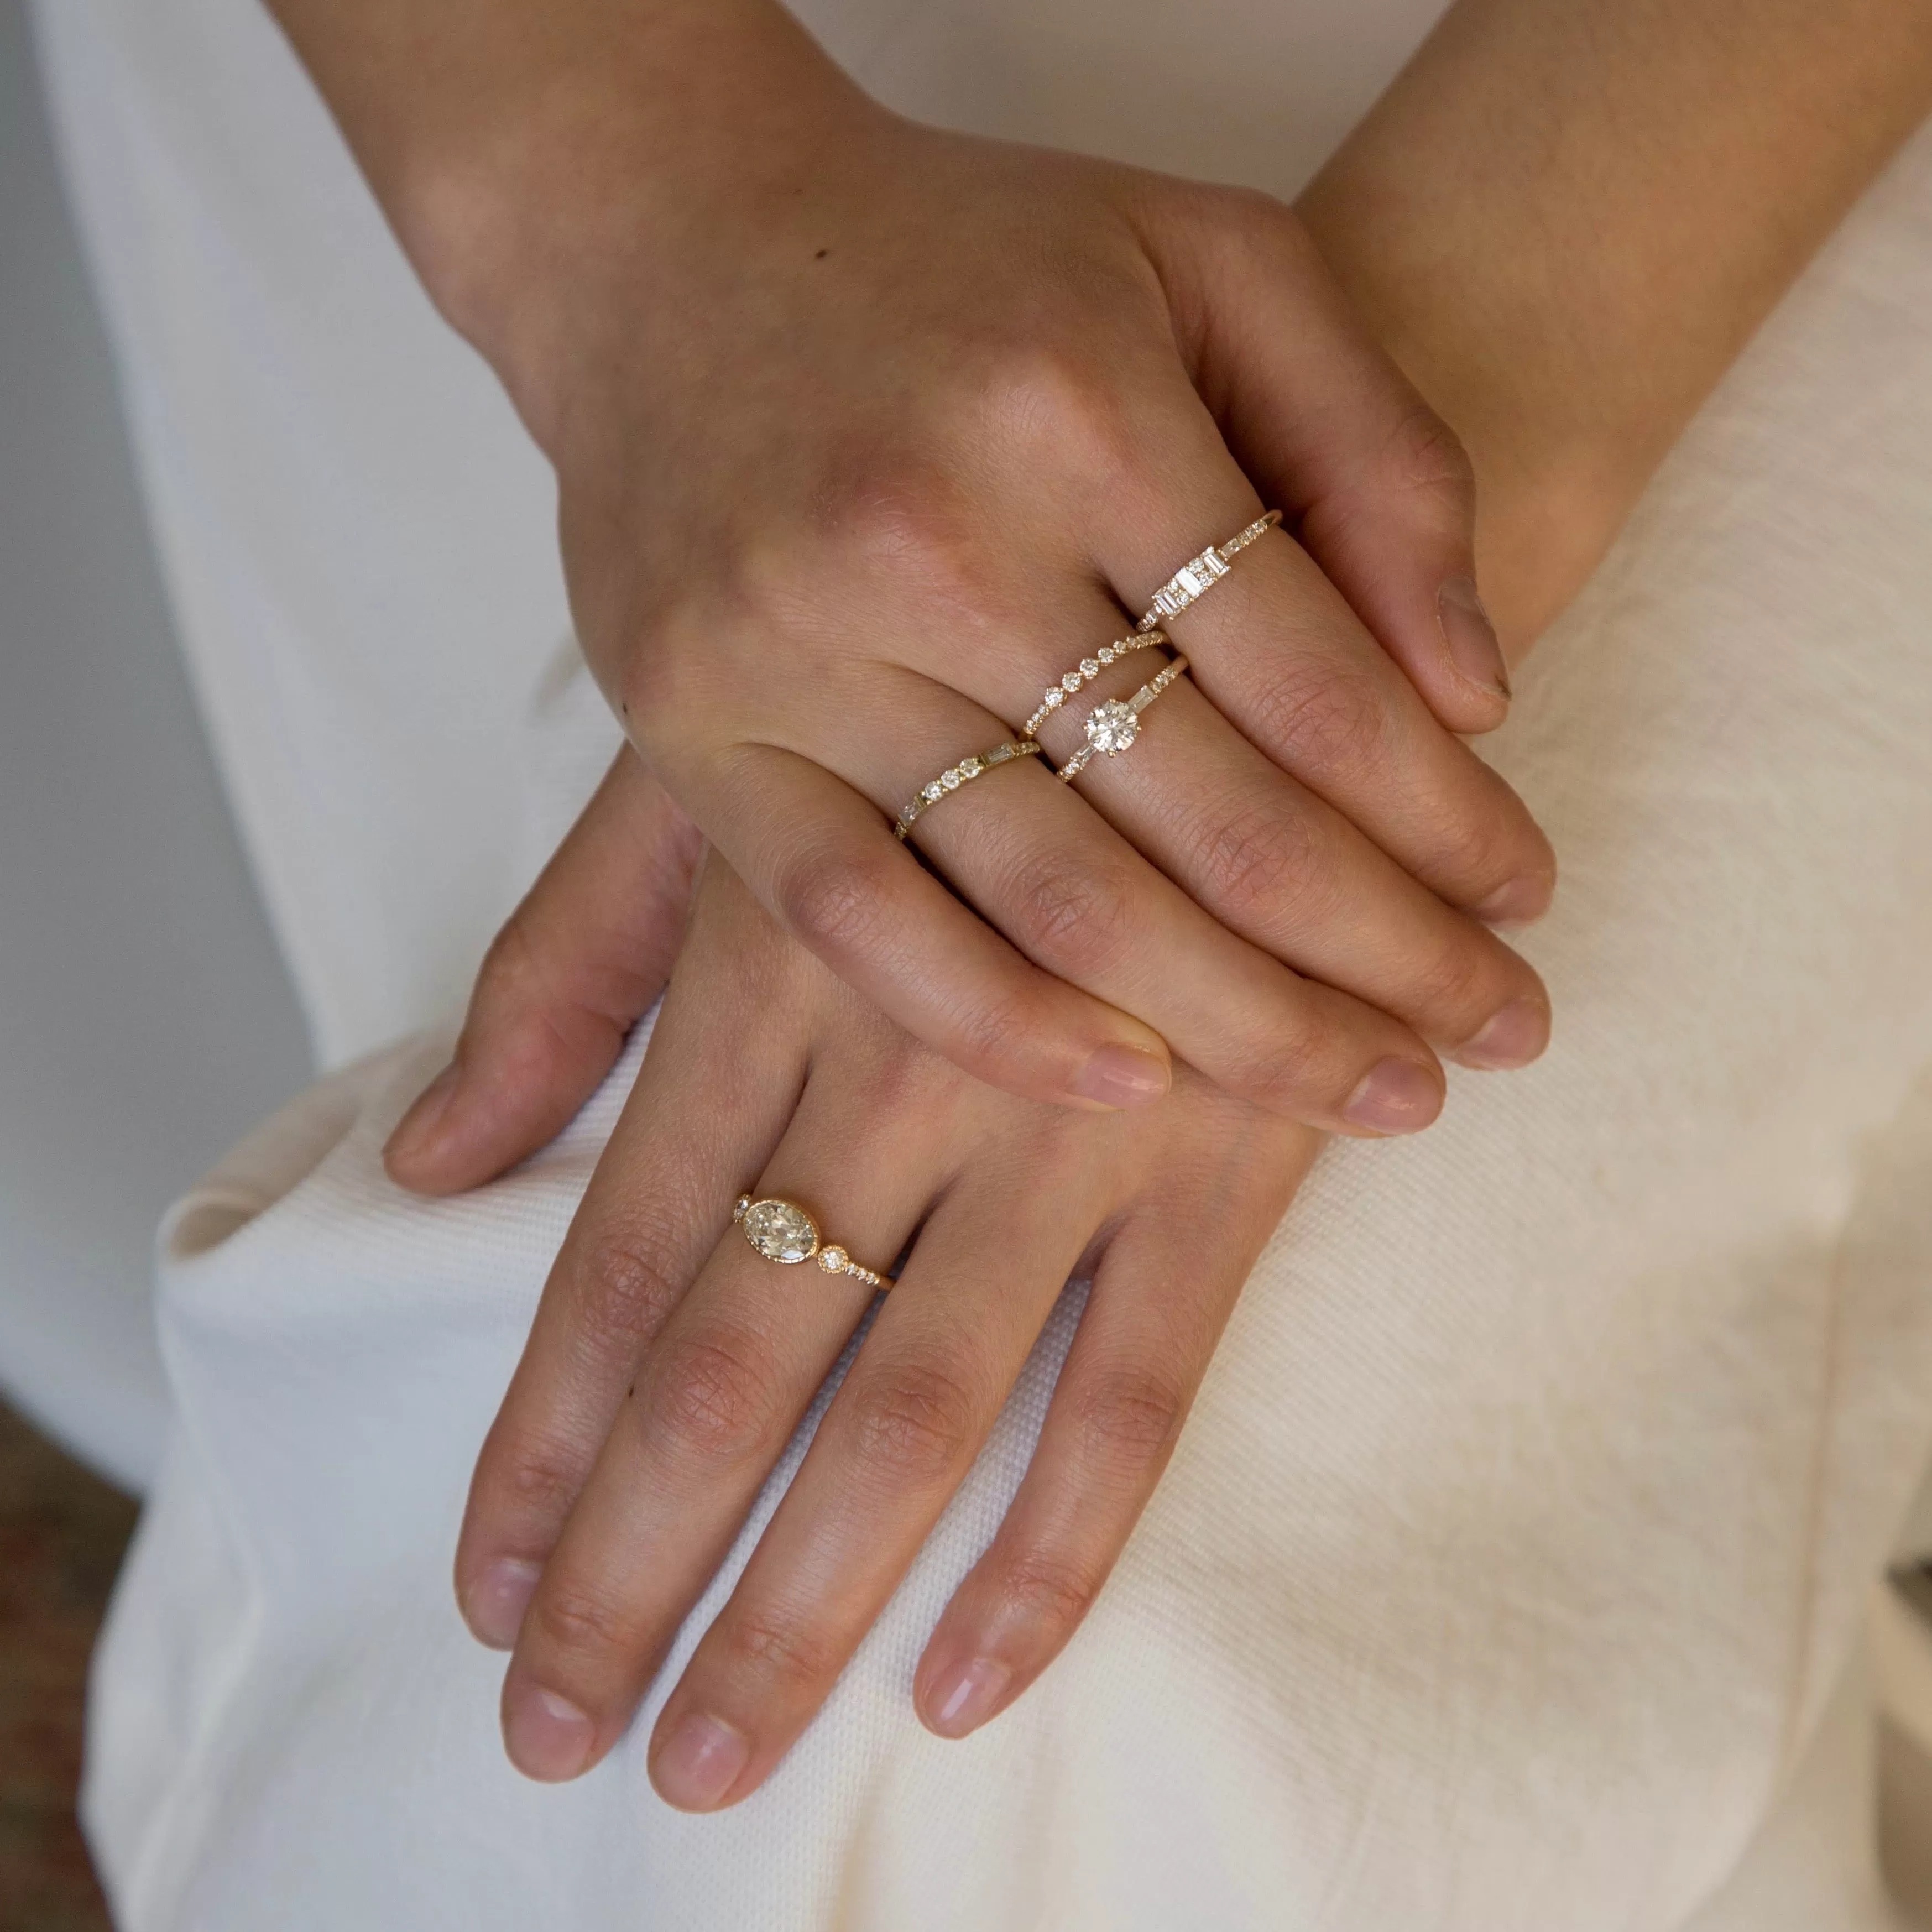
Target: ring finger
[
  {"x": 718, "y": 1395},
  {"x": 897, "y": 1441}
]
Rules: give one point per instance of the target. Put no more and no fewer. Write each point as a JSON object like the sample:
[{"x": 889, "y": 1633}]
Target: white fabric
[{"x": 1513, "y": 1563}]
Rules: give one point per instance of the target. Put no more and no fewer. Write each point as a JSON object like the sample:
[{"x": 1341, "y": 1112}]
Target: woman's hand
[
  {"x": 669, "y": 1364},
  {"x": 867, "y": 434}
]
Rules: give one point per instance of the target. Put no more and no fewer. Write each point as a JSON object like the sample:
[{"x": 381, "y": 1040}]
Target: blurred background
[{"x": 148, "y": 1019}]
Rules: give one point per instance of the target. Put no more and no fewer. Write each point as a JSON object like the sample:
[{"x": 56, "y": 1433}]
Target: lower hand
[{"x": 669, "y": 1364}]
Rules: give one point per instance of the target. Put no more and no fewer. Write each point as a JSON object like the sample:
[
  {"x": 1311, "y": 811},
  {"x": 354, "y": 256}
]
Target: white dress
[{"x": 1513, "y": 1570}]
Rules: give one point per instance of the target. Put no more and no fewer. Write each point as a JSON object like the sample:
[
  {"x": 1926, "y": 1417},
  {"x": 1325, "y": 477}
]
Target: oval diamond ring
[{"x": 781, "y": 1230}]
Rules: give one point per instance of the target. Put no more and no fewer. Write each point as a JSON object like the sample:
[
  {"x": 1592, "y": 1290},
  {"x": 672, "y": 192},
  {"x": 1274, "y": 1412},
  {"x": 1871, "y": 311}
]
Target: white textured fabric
[{"x": 1511, "y": 1572}]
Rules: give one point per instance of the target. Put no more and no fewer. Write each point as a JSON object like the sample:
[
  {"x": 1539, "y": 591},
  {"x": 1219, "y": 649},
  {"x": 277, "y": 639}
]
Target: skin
[
  {"x": 994, "y": 450},
  {"x": 1568, "y": 315}
]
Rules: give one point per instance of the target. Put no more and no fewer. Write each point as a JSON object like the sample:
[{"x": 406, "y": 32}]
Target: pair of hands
[{"x": 839, "y": 502}]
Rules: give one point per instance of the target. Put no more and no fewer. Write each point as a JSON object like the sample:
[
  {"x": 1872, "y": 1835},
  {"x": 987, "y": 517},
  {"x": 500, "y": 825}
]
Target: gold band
[
  {"x": 964, "y": 773},
  {"x": 781, "y": 1230},
  {"x": 1113, "y": 727},
  {"x": 1085, "y": 672},
  {"x": 1199, "y": 575}
]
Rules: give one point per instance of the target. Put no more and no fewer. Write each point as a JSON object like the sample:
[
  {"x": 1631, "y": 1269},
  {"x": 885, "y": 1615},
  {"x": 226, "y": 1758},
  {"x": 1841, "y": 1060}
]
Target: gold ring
[
  {"x": 1089, "y": 669},
  {"x": 1199, "y": 575},
  {"x": 1112, "y": 727},
  {"x": 781, "y": 1230},
  {"x": 964, "y": 773}
]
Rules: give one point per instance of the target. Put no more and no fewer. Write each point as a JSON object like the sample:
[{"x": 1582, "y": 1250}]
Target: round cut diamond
[
  {"x": 780, "y": 1232},
  {"x": 834, "y": 1260},
  {"x": 1071, "y": 682},
  {"x": 1112, "y": 727},
  {"x": 1054, "y": 698},
  {"x": 1089, "y": 667},
  {"x": 934, "y": 792},
  {"x": 971, "y": 768}
]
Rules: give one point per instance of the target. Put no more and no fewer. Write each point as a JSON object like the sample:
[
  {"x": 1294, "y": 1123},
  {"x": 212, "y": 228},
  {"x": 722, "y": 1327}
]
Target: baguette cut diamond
[{"x": 780, "y": 1232}]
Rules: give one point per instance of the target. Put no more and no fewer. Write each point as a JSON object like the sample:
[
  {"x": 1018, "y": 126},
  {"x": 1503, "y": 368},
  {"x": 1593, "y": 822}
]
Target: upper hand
[{"x": 870, "y": 433}]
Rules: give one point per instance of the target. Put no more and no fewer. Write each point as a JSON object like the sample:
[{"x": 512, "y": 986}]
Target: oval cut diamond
[
  {"x": 1112, "y": 727},
  {"x": 780, "y": 1232}
]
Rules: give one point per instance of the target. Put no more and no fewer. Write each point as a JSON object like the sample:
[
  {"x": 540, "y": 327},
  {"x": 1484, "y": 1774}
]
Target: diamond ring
[
  {"x": 1087, "y": 669},
  {"x": 1114, "y": 726},
  {"x": 964, "y": 773},
  {"x": 1199, "y": 575},
  {"x": 781, "y": 1230}
]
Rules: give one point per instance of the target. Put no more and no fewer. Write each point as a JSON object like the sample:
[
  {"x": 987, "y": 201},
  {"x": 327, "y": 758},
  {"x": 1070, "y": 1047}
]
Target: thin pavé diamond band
[
  {"x": 1086, "y": 671},
  {"x": 964, "y": 773}
]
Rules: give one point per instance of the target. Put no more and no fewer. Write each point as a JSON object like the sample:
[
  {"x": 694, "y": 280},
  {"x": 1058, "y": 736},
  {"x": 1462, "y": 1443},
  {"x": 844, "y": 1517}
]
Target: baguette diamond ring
[{"x": 1199, "y": 575}]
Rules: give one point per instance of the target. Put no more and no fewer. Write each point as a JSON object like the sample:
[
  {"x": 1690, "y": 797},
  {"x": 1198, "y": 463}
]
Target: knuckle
[
  {"x": 833, "y": 901},
  {"x": 532, "y": 1475},
  {"x": 990, "y": 1040},
  {"x": 624, "y": 1290},
  {"x": 1049, "y": 1591},
  {"x": 1251, "y": 857},
  {"x": 1459, "y": 979},
  {"x": 1129, "y": 1415},
  {"x": 1060, "y": 399},
  {"x": 766, "y": 1642},
  {"x": 714, "y": 1394},
  {"x": 913, "y": 1422},
  {"x": 1291, "y": 1074},
  {"x": 570, "y": 1615},
  {"x": 1426, "y": 454},
  {"x": 1072, "y": 910},
  {"x": 892, "y": 516},
  {"x": 510, "y": 974},
  {"x": 1324, "y": 719}
]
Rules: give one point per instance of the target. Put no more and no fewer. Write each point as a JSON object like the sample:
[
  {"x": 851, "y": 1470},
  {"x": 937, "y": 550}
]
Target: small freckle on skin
[{"x": 821, "y": 255}]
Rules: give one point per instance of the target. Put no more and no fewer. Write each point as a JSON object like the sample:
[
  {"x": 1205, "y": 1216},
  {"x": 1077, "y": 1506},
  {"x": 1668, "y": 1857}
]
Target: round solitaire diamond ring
[
  {"x": 781, "y": 1230},
  {"x": 1111, "y": 728}
]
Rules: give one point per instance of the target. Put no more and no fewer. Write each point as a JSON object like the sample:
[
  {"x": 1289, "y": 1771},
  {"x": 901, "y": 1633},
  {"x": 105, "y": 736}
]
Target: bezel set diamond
[{"x": 782, "y": 1232}]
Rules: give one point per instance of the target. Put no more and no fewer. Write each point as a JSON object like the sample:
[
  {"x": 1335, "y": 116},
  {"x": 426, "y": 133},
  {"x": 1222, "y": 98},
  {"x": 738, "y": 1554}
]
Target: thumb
[
  {"x": 578, "y": 964},
  {"x": 1377, "y": 487}
]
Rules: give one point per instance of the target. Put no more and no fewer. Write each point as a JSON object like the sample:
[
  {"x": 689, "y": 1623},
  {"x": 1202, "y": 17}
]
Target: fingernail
[
  {"x": 547, "y": 1737},
  {"x": 699, "y": 1763},
  {"x": 417, "y": 1128},
  {"x": 963, "y": 1697},
  {"x": 1123, "y": 1076},
  {"x": 1399, "y": 1096},
  {"x": 1524, "y": 899},
  {"x": 493, "y": 1609},
  {"x": 1471, "y": 636},
  {"x": 1513, "y": 1037}
]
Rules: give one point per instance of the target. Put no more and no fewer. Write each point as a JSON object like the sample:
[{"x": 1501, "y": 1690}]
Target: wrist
[{"x": 540, "y": 175}]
